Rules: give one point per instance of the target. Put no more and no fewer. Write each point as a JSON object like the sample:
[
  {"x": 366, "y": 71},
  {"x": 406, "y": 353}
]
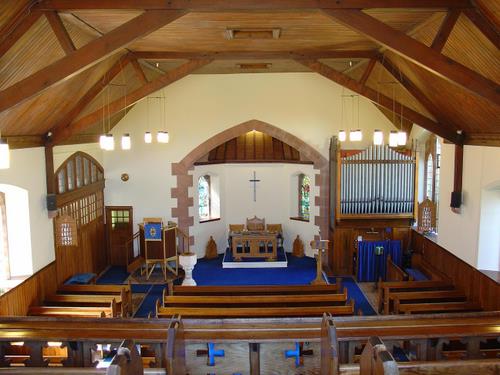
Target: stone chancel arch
[{"x": 185, "y": 180}]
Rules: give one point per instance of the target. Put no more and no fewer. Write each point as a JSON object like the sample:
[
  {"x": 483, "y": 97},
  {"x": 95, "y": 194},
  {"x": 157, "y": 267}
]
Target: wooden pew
[
  {"x": 428, "y": 269},
  {"x": 257, "y": 289},
  {"x": 123, "y": 291},
  {"x": 127, "y": 361},
  {"x": 90, "y": 300},
  {"x": 387, "y": 287},
  {"x": 329, "y": 360},
  {"x": 76, "y": 311},
  {"x": 254, "y": 312},
  {"x": 431, "y": 296},
  {"x": 394, "y": 272},
  {"x": 376, "y": 359},
  {"x": 175, "y": 355},
  {"x": 255, "y": 300},
  {"x": 423, "y": 308}
]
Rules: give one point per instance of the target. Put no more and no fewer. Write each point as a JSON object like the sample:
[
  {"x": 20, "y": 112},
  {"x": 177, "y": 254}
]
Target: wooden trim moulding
[
  {"x": 70, "y": 196},
  {"x": 53, "y": 263}
]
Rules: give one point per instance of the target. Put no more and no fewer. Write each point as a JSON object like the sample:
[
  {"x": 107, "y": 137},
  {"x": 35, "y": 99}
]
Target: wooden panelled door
[{"x": 118, "y": 231}]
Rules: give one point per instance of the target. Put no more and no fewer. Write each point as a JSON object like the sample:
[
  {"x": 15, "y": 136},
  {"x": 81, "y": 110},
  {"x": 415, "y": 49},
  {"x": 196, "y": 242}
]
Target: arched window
[
  {"x": 429, "y": 180},
  {"x": 204, "y": 211},
  {"x": 304, "y": 196}
]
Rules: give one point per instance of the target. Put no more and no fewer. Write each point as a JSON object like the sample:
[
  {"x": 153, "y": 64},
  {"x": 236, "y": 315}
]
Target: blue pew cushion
[
  {"x": 81, "y": 278},
  {"x": 416, "y": 274}
]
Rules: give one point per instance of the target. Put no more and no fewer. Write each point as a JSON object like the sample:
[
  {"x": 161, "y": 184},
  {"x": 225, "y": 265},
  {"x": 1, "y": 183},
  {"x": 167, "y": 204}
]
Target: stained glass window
[
  {"x": 430, "y": 178},
  {"x": 304, "y": 196},
  {"x": 204, "y": 197}
]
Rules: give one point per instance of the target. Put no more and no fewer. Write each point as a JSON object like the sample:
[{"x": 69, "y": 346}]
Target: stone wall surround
[{"x": 185, "y": 180}]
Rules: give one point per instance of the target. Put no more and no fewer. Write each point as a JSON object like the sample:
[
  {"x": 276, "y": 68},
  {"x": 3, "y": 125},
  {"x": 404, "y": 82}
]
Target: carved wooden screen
[{"x": 80, "y": 196}]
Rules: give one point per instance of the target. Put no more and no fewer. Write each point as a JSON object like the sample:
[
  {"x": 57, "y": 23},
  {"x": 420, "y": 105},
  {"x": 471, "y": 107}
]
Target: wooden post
[{"x": 319, "y": 246}]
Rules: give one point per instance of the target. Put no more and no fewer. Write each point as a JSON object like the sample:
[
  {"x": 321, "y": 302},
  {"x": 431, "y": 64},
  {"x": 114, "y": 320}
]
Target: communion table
[{"x": 258, "y": 244}]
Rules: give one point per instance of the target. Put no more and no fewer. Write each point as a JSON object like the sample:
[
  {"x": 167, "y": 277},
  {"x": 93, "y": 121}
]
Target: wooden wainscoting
[
  {"x": 32, "y": 291},
  {"x": 477, "y": 287},
  {"x": 88, "y": 256}
]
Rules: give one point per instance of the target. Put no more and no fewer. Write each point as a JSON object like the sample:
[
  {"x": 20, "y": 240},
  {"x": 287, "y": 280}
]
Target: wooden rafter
[
  {"x": 90, "y": 95},
  {"x": 85, "y": 57},
  {"x": 368, "y": 71},
  {"x": 15, "y": 30},
  {"x": 417, "y": 52},
  {"x": 488, "y": 29},
  {"x": 380, "y": 99},
  {"x": 417, "y": 93},
  {"x": 138, "y": 71},
  {"x": 445, "y": 30},
  {"x": 61, "y": 134},
  {"x": 232, "y": 55},
  {"x": 60, "y": 31},
  {"x": 215, "y": 5}
]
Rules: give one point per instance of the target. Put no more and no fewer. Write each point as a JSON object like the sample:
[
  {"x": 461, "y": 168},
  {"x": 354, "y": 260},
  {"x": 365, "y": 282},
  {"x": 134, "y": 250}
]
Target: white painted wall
[
  {"x": 489, "y": 231},
  {"x": 61, "y": 153},
  {"x": 27, "y": 171},
  {"x": 459, "y": 233},
  {"x": 201, "y": 106},
  {"x": 274, "y": 195}
]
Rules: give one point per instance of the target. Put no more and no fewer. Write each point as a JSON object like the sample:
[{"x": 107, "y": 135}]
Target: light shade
[
  {"x": 355, "y": 135},
  {"x": 162, "y": 137},
  {"x": 110, "y": 142},
  {"x": 378, "y": 137},
  {"x": 126, "y": 143},
  {"x": 401, "y": 138},
  {"x": 4, "y": 155},
  {"x": 393, "y": 138},
  {"x": 148, "y": 138},
  {"x": 102, "y": 141},
  {"x": 342, "y": 135}
]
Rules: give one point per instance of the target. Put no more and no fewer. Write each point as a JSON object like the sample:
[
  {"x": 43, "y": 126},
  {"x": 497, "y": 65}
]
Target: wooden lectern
[
  {"x": 159, "y": 246},
  {"x": 319, "y": 247}
]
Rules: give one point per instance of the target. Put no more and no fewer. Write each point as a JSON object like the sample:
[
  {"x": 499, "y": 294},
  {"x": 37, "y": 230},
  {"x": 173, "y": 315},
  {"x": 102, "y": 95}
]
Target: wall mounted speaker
[
  {"x": 51, "y": 202},
  {"x": 456, "y": 199}
]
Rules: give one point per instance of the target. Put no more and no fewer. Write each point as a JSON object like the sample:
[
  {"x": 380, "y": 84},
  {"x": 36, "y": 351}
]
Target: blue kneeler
[
  {"x": 294, "y": 353},
  {"x": 212, "y": 353}
]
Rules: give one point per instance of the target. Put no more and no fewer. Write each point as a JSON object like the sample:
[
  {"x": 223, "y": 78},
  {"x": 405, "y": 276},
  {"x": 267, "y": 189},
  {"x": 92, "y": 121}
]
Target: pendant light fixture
[
  {"x": 378, "y": 137},
  {"x": 4, "y": 154},
  {"x": 162, "y": 137},
  {"x": 148, "y": 138},
  {"x": 393, "y": 138},
  {"x": 126, "y": 143},
  {"x": 402, "y": 138},
  {"x": 342, "y": 135}
]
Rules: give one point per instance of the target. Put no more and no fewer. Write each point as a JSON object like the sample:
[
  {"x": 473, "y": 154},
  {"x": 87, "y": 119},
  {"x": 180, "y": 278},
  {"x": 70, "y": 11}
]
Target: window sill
[
  {"x": 7, "y": 285},
  {"x": 303, "y": 219},
  {"x": 209, "y": 220}
]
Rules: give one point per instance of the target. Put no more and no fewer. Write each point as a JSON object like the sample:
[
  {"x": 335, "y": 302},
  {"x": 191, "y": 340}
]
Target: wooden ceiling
[
  {"x": 62, "y": 60},
  {"x": 253, "y": 147}
]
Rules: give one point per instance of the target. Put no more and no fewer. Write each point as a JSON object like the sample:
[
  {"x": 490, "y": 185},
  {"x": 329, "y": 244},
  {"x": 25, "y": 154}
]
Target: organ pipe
[{"x": 377, "y": 180}]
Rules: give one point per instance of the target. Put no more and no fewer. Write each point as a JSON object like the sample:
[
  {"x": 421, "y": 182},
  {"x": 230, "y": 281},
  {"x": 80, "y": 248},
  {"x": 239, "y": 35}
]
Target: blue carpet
[
  {"x": 228, "y": 256},
  {"x": 140, "y": 288},
  {"x": 416, "y": 274},
  {"x": 114, "y": 275},
  {"x": 149, "y": 303},
  {"x": 299, "y": 271},
  {"x": 353, "y": 291}
]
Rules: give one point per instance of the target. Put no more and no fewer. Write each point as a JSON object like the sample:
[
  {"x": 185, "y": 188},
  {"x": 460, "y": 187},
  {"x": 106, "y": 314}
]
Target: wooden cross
[{"x": 254, "y": 180}]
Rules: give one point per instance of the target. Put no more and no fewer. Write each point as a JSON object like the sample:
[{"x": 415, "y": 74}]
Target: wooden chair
[{"x": 256, "y": 224}]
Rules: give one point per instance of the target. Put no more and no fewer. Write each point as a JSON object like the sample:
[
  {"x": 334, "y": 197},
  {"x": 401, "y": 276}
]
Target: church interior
[{"x": 250, "y": 187}]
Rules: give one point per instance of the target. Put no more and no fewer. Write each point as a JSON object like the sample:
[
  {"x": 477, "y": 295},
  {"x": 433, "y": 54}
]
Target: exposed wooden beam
[
  {"x": 138, "y": 71},
  {"x": 61, "y": 33},
  {"x": 85, "y": 57},
  {"x": 380, "y": 99},
  {"x": 397, "y": 120},
  {"x": 85, "y": 100},
  {"x": 61, "y": 134},
  {"x": 428, "y": 104},
  {"x": 482, "y": 139},
  {"x": 218, "y": 5},
  {"x": 236, "y": 55},
  {"x": 13, "y": 31},
  {"x": 488, "y": 29},
  {"x": 445, "y": 30},
  {"x": 24, "y": 141},
  {"x": 418, "y": 53},
  {"x": 368, "y": 71}
]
